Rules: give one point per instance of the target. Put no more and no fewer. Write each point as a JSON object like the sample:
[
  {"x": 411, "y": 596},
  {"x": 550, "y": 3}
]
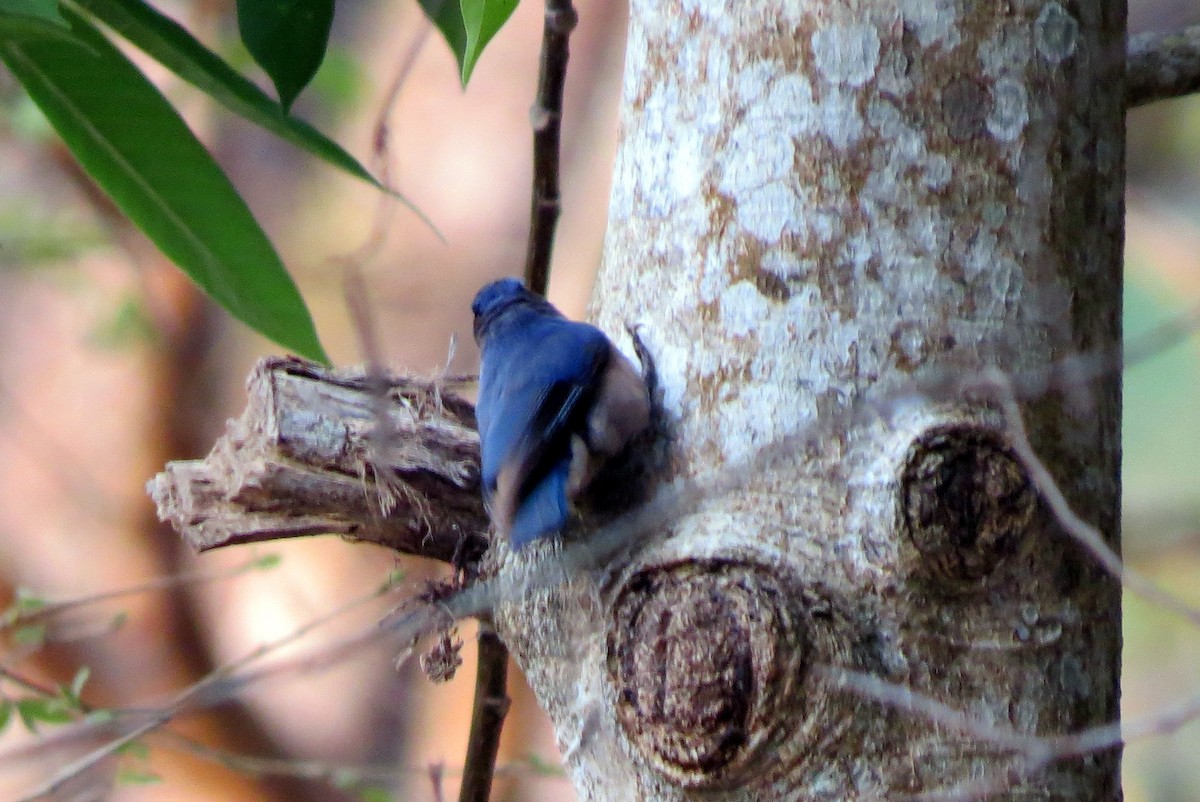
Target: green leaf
[
  {"x": 129, "y": 323},
  {"x": 30, "y": 635},
  {"x": 374, "y": 793},
  {"x": 287, "y": 38},
  {"x": 45, "y": 10},
  {"x": 268, "y": 561},
  {"x": 6, "y": 708},
  {"x": 127, "y": 775},
  {"x": 23, "y": 711},
  {"x": 481, "y": 18},
  {"x": 34, "y": 239},
  {"x": 544, "y": 768},
  {"x": 119, "y": 619},
  {"x": 36, "y": 710},
  {"x": 468, "y": 25},
  {"x": 164, "y": 40},
  {"x": 29, "y": 602},
  {"x": 348, "y": 779},
  {"x": 37, "y": 19},
  {"x": 100, "y": 716},
  {"x": 447, "y": 16},
  {"x": 80, "y": 679},
  {"x": 136, "y": 147},
  {"x": 24, "y": 605}
]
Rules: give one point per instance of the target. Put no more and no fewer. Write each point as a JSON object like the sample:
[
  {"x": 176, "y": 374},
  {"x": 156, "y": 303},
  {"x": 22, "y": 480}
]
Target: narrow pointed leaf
[
  {"x": 20, "y": 19},
  {"x": 168, "y": 43},
  {"x": 138, "y": 149},
  {"x": 44, "y": 10},
  {"x": 446, "y": 15},
  {"x": 481, "y": 19},
  {"x": 287, "y": 38}
]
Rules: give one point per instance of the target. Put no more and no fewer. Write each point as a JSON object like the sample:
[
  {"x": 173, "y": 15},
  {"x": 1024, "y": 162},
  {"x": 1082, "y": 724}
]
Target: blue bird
[{"x": 556, "y": 399}]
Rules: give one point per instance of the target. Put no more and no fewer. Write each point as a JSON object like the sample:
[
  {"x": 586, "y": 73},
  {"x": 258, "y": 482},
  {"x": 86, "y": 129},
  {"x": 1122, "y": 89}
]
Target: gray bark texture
[
  {"x": 387, "y": 461},
  {"x": 821, "y": 211}
]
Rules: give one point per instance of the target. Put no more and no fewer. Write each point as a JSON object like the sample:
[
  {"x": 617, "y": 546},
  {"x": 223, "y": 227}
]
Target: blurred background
[{"x": 111, "y": 364}]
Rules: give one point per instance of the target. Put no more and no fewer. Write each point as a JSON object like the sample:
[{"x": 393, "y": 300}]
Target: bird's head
[{"x": 496, "y": 298}]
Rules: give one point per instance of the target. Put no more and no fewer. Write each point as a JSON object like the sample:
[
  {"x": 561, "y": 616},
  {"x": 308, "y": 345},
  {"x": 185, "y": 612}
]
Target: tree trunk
[{"x": 818, "y": 207}]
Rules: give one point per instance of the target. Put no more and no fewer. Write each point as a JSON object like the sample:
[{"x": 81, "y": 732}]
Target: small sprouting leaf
[
  {"x": 100, "y": 716},
  {"x": 287, "y": 38},
  {"x": 23, "y": 711},
  {"x": 129, "y": 323},
  {"x": 481, "y": 19},
  {"x": 29, "y": 602},
  {"x": 54, "y": 711},
  {"x": 267, "y": 562},
  {"x": 30, "y": 635},
  {"x": 374, "y": 793},
  {"x": 24, "y": 605},
  {"x": 80, "y": 679},
  {"x": 542, "y": 767},
  {"x": 35, "y": 710},
  {"x": 32, "y": 238},
  {"x": 151, "y": 165},
  {"x": 347, "y": 779},
  {"x": 128, "y": 775},
  {"x": 6, "y": 708}
]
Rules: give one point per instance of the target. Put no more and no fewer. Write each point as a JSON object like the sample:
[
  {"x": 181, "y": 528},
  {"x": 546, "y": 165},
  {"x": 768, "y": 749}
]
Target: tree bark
[
  {"x": 379, "y": 460},
  {"x": 818, "y": 207}
]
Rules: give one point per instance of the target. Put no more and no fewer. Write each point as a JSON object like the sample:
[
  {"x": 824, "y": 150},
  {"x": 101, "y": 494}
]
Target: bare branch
[
  {"x": 302, "y": 461},
  {"x": 546, "y": 117},
  {"x": 336, "y": 774},
  {"x": 212, "y": 688},
  {"x": 436, "y": 772},
  {"x": 487, "y": 717},
  {"x": 1034, "y": 752},
  {"x": 50, "y": 608},
  {"x": 491, "y": 700},
  {"x": 1078, "y": 529},
  {"x": 381, "y": 163},
  {"x": 1162, "y": 65}
]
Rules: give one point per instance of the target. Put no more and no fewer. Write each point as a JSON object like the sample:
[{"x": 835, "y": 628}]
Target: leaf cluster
[{"x": 138, "y": 149}]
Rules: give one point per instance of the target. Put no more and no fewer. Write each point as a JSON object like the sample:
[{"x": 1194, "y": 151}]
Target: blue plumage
[{"x": 555, "y": 399}]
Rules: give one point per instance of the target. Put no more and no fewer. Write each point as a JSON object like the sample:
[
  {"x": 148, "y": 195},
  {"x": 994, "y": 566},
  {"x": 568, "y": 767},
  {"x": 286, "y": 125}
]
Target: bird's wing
[{"x": 532, "y": 401}]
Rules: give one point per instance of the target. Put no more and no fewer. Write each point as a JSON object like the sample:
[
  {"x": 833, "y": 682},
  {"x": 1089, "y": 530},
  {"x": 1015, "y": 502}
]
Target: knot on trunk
[
  {"x": 706, "y": 658},
  {"x": 965, "y": 500}
]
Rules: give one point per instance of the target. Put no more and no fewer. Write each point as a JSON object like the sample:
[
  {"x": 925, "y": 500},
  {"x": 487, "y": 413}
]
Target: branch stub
[
  {"x": 706, "y": 658},
  {"x": 965, "y": 501}
]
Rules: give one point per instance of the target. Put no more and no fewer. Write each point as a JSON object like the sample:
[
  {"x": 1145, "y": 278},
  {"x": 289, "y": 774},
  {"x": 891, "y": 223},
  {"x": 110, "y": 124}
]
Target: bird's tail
[{"x": 545, "y": 510}]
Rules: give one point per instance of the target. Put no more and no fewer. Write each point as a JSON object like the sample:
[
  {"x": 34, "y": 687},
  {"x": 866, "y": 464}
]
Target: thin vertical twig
[
  {"x": 491, "y": 700},
  {"x": 546, "y": 118},
  {"x": 487, "y": 716},
  {"x": 436, "y": 772}
]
